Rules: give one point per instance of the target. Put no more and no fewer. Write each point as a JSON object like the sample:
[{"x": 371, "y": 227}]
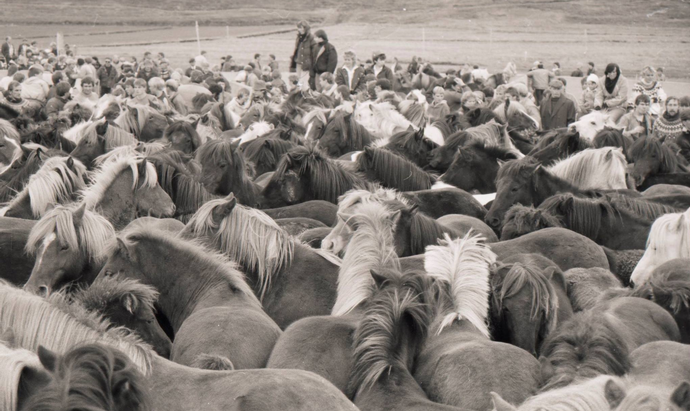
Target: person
[
  {"x": 273, "y": 63},
  {"x": 577, "y": 72},
  {"x": 350, "y": 75},
  {"x": 8, "y": 49},
  {"x": 591, "y": 69},
  {"x": 669, "y": 126},
  {"x": 177, "y": 103},
  {"x": 649, "y": 86},
  {"x": 228, "y": 64},
  {"x": 157, "y": 89},
  {"x": 164, "y": 69},
  {"x": 589, "y": 92},
  {"x": 241, "y": 103},
  {"x": 257, "y": 61},
  {"x": 34, "y": 88},
  {"x": 556, "y": 69},
  {"x": 638, "y": 123},
  {"x": 55, "y": 105},
  {"x": 469, "y": 102},
  {"x": 380, "y": 70},
  {"x": 303, "y": 56},
  {"x": 87, "y": 97},
  {"x": 56, "y": 78},
  {"x": 325, "y": 60},
  {"x": 86, "y": 69},
  {"x": 128, "y": 85},
  {"x": 72, "y": 72},
  {"x": 454, "y": 87},
  {"x": 518, "y": 92},
  {"x": 539, "y": 80},
  {"x": 139, "y": 96},
  {"x": 260, "y": 92},
  {"x": 438, "y": 109},
  {"x": 327, "y": 84},
  {"x": 556, "y": 109},
  {"x": 107, "y": 76},
  {"x": 147, "y": 71},
  {"x": 192, "y": 67},
  {"x": 278, "y": 83},
  {"x": 612, "y": 92},
  {"x": 13, "y": 99}
]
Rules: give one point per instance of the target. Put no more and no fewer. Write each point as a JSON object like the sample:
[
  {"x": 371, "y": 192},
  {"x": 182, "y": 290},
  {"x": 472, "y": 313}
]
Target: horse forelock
[
  {"x": 375, "y": 193},
  {"x": 327, "y": 177},
  {"x": 370, "y": 248},
  {"x": 674, "y": 295},
  {"x": 525, "y": 166},
  {"x": 109, "y": 291},
  {"x": 12, "y": 363},
  {"x": 528, "y": 219},
  {"x": 109, "y": 171},
  {"x": 59, "y": 326},
  {"x": 462, "y": 267},
  {"x": 219, "y": 151},
  {"x": 316, "y": 114},
  {"x": 424, "y": 230}
]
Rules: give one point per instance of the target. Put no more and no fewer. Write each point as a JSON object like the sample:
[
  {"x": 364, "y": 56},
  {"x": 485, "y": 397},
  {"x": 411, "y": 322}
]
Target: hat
[
  {"x": 259, "y": 85},
  {"x": 375, "y": 55},
  {"x": 593, "y": 77}
]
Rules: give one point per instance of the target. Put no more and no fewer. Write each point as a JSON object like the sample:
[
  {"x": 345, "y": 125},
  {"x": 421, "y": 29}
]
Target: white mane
[
  {"x": 594, "y": 169},
  {"x": 108, "y": 172},
  {"x": 381, "y": 119},
  {"x": 253, "y": 132},
  {"x": 12, "y": 363},
  {"x": 77, "y": 131},
  {"x": 463, "y": 264}
]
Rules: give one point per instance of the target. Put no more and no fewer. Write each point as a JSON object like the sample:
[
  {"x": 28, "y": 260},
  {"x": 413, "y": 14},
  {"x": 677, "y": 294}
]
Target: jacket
[
  {"x": 559, "y": 114},
  {"x": 108, "y": 79},
  {"x": 326, "y": 59},
  {"x": 358, "y": 83},
  {"x": 386, "y": 73},
  {"x": 55, "y": 106},
  {"x": 304, "y": 51},
  {"x": 619, "y": 97}
]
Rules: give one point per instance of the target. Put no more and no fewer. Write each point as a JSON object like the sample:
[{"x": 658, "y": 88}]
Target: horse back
[
  {"x": 641, "y": 321},
  {"x": 17, "y": 266}
]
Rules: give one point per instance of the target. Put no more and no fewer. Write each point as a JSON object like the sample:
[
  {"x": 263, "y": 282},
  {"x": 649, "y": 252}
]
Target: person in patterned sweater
[
  {"x": 669, "y": 126},
  {"x": 649, "y": 86}
]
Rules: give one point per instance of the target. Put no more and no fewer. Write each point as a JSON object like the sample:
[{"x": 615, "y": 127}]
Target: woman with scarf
[
  {"x": 612, "y": 92},
  {"x": 650, "y": 87},
  {"x": 303, "y": 56}
]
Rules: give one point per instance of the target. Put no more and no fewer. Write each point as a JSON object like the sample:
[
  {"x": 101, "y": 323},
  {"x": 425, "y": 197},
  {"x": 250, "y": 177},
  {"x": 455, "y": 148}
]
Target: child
[
  {"x": 278, "y": 83},
  {"x": 588, "y": 93},
  {"x": 438, "y": 109},
  {"x": 241, "y": 103}
]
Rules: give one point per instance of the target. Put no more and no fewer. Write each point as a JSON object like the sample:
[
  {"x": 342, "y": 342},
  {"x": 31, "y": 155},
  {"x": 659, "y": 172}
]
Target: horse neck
[
  {"x": 548, "y": 185},
  {"x": 118, "y": 204}
]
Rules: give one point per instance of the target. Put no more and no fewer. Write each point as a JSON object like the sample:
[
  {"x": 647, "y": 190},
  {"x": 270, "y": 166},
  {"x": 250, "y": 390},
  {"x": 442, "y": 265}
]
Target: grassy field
[{"x": 632, "y": 33}]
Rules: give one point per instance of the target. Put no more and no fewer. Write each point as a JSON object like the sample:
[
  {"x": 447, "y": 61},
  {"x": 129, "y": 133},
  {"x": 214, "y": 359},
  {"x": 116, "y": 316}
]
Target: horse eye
[
  {"x": 64, "y": 248},
  {"x": 2, "y": 145},
  {"x": 109, "y": 273},
  {"x": 222, "y": 165},
  {"x": 593, "y": 123}
]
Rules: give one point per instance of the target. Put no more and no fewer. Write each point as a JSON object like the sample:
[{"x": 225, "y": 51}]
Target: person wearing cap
[
  {"x": 539, "y": 80},
  {"x": 55, "y": 105},
  {"x": 350, "y": 74},
  {"x": 35, "y": 89},
  {"x": 381, "y": 71},
  {"x": 108, "y": 76},
  {"x": 589, "y": 92},
  {"x": 556, "y": 109},
  {"x": 303, "y": 56},
  {"x": 326, "y": 59}
]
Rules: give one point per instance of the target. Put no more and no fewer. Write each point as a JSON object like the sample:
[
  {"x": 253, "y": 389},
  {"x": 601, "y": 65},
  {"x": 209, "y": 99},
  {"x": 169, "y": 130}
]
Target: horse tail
[{"x": 213, "y": 362}]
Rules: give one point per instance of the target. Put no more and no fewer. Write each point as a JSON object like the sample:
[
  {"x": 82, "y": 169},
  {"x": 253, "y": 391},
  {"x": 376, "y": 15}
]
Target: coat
[
  {"x": 386, "y": 73},
  {"x": 304, "y": 52},
  {"x": 326, "y": 59},
  {"x": 108, "y": 79},
  {"x": 619, "y": 97},
  {"x": 8, "y": 51},
  {"x": 560, "y": 115},
  {"x": 358, "y": 83}
]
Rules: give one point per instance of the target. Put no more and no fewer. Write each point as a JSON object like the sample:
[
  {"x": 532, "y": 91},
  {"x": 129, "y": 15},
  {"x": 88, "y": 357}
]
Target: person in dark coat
[
  {"x": 8, "y": 49},
  {"x": 108, "y": 76},
  {"x": 325, "y": 58},
  {"x": 351, "y": 75},
  {"x": 303, "y": 56},
  {"x": 556, "y": 109},
  {"x": 381, "y": 71}
]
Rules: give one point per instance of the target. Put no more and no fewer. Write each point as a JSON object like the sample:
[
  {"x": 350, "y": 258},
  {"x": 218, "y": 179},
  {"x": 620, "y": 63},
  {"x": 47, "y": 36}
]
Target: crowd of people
[{"x": 52, "y": 80}]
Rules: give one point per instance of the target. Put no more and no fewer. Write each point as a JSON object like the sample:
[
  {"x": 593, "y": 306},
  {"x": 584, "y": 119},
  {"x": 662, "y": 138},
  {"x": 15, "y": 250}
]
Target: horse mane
[
  {"x": 219, "y": 151},
  {"x": 649, "y": 145},
  {"x": 670, "y": 223},
  {"x": 321, "y": 114},
  {"x": 328, "y": 178},
  {"x": 357, "y": 131},
  {"x": 387, "y": 315},
  {"x": 513, "y": 108},
  {"x": 611, "y": 137},
  {"x": 184, "y": 127},
  {"x": 107, "y": 291},
  {"x": 444, "y": 127},
  {"x": 105, "y": 175},
  {"x": 249, "y": 237},
  {"x": 587, "y": 395},
  {"x": 461, "y": 267},
  {"x": 55, "y": 182},
  {"x": 12, "y": 363},
  {"x": 394, "y": 170},
  {"x": 525, "y": 166},
  {"x": 491, "y": 150},
  {"x": 424, "y": 230},
  {"x": 221, "y": 270},
  {"x": 370, "y": 248},
  {"x": 374, "y": 194},
  {"x": 415, "y": 114},
  {"x": 129, "y": 119},
  {"x": 544, "y": 296},
  {"x": 480, "y": 115},
  {"x": 77, "y": 131},
  {"x": 267, "y": 150},
  {"x": 8, "y": 130},
  {"x": 672, "y": 295},
  {"x": 114, "y": 136},
  {"x": 91, "y": 237},
  {"x": 640, "y": 207},
  {"x": 529, "y": 219},
  {"x": 582, "y": 215},
  {"x": 91, "y": 377},
  {"x": 580, "y": 168},
  {"x": 385, "y": 115},
  {"x": 59, "y": 325}
]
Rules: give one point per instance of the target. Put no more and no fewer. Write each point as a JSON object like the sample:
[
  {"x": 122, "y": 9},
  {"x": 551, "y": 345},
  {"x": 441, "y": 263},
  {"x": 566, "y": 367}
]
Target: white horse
[
  {"x": 254, "y": 131},
  {"x": 669, "y": 238},
  {"x": 594, "y": 169},
  {"x": 382, "y": 120},
  {"x": 589, "y": 125}
]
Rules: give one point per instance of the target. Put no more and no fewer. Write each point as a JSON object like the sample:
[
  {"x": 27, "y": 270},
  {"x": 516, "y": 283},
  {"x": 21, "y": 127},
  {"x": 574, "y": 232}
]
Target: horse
[
  {"x": 671, "y": 294},
  {"x": 59, "y": 180},
  {"x": 475, "y": 167},
  {"x": 343, "y": 134},
  {"x": 265, "y": 153},
  {"x": 17, "y": 265},
  {"x": 589, "y": 125},
  {"x": 144, "y": 122},
  {"x": 521, "y": 126},
  {"x": 182, "y": 137},
  {"x": 669, "y": 238},
  {"x": 558, "y": 144},
  {"x": 92, "y": 376},
  {"x": 587, "y": 285},
  {"x": 613, "y": 137},
  {"x": 213, "y": 314},
  {"x": 318, "y": 210},
  {"x": 458, "y": 364},
  {"x": 599, "y": 341},
  {"x": 23, "y": 375},
  {"x": 125, "y": 188},
  {"x": 223, "y": 171},
  {"x": 172, "y": 386},
  {"x": 391, "y": 170},
  {"x": 253, "y": 131},
  {"x": 67, "y": 243},
  {"x": 529, "y": 300},
  {"x": 10, "y": 142},
  {"x": 521, "y": 220},
  {"x": 382, "y": 120},
  {"x": 306, "y": 173},
  {"x": 291, "y": 280},
  {"x": 594, "y": 169},
  {"x": 651, "y": 158},
  {"x": 412, "y": 145},
  {"x": 15, "y": 177},
  {"x": 98, "y": 139},
  {"x": 49, "y": 136},
  {"x": 331, "y": 355}
]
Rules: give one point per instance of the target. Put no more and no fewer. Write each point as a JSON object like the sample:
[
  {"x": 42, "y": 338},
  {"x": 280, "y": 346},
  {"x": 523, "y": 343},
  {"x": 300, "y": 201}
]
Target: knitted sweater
[
  {"x": 668, "y": 130},
  {"x": 655, "y": 93}
]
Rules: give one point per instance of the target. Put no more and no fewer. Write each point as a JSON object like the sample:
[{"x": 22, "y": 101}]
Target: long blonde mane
[
  {"x": 464, "y": 266},
  {"x": 55, "y": 182},
  {"x": 248, "y": 236},
  {"x": 104, "y": 177},
  {"x": 91, "y": 237},
  {"x": 371, "y": 247},
  {"x": 586, "y": 396},
  {"x": 594, "y": 168},
  {"x": 12, "y": 363},
  {"x": 77, "y": 131},
  {"x": 114, "y": 136},
  {"x": 381, "y": 119},
  {"x": 376, "y": 194},
  {"x": 59, "y": 326}
]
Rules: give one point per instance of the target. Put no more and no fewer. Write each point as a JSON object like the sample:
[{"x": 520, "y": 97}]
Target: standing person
[
  {"x": 612, "y": 92},
  {"x": 381, "y": 71},
  {"x": 350, "y": 74},
  {"x": 638, "y": 123},
  {"x": 303, "y": 56},
  {"x": 556, "y": 69},
  {"x": 257, "y": 61},
  {"x": 147, "y": 71},
  {"x": 273, "y": 63},
  {"x": 557, "y": 110},
  {"x": 591, "y": 69},
  {"x": 108, "y": 76},
  {"x": 651, "y": 87},
  {"x": 325, "y": 60},
  {"x": 34, "y": 88},
  {"x": 669, "y": 126},
  {"x": 539, "y": 79},
  {"x": 8, "y": 49}
]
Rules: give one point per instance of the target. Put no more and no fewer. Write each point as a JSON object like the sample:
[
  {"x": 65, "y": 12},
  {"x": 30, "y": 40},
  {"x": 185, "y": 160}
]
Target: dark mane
[
  {"x": 444, "y": 127},
  {"x": 394, "y": 171},
  {"x": 284, "y": 122},
  {"x": 492, "y": 151},
  {"x": 529, "y": 219},
  {"x": 582, "y": 215},
  {"x": 200, "y": 100},
  {"x": 349, "y": 130},
  {"x": 423, "y": 230},
  {"x": 647, "y": 146},
  {"x": 672, "y": 295},
  {"x": 612, "y": 137},
  {"x": 640, "y": 207},
  {"x": 184, "y": 127},
  {"x": 456, "y": 140},
  {"x": 267, "y": 151},
  {"x": 525, "y": 166},
  {"x": 328, "y": 179},
  {"x": 481, "y": 115}
]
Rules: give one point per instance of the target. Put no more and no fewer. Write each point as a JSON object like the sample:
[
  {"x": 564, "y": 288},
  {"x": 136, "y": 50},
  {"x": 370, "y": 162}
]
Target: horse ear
[
  {"x": 129, "y": 302},
  {"x": 141, "y": 168},
  {"x": 547, "y": 370},
  {"x": 348, "y": 219},
  {"x": 224, "y": 210},
  {"x": 48, "y": 358},
  {"x": 395, "y": 217},
  {"x": 609, "y": 155},
  {"x": 613, "y": 393},
  {"x": 122, "y": 248},
  {"x": 25, "y": 150},
  {"x": 378, "y": 278},
  {"x": 681, "y": 396},
  {"x": 70, "y": 162},
  {"x": 500, "y": 404},
  {"x": 555, "y": 274},
  {"x": 78, "y": 214}
]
